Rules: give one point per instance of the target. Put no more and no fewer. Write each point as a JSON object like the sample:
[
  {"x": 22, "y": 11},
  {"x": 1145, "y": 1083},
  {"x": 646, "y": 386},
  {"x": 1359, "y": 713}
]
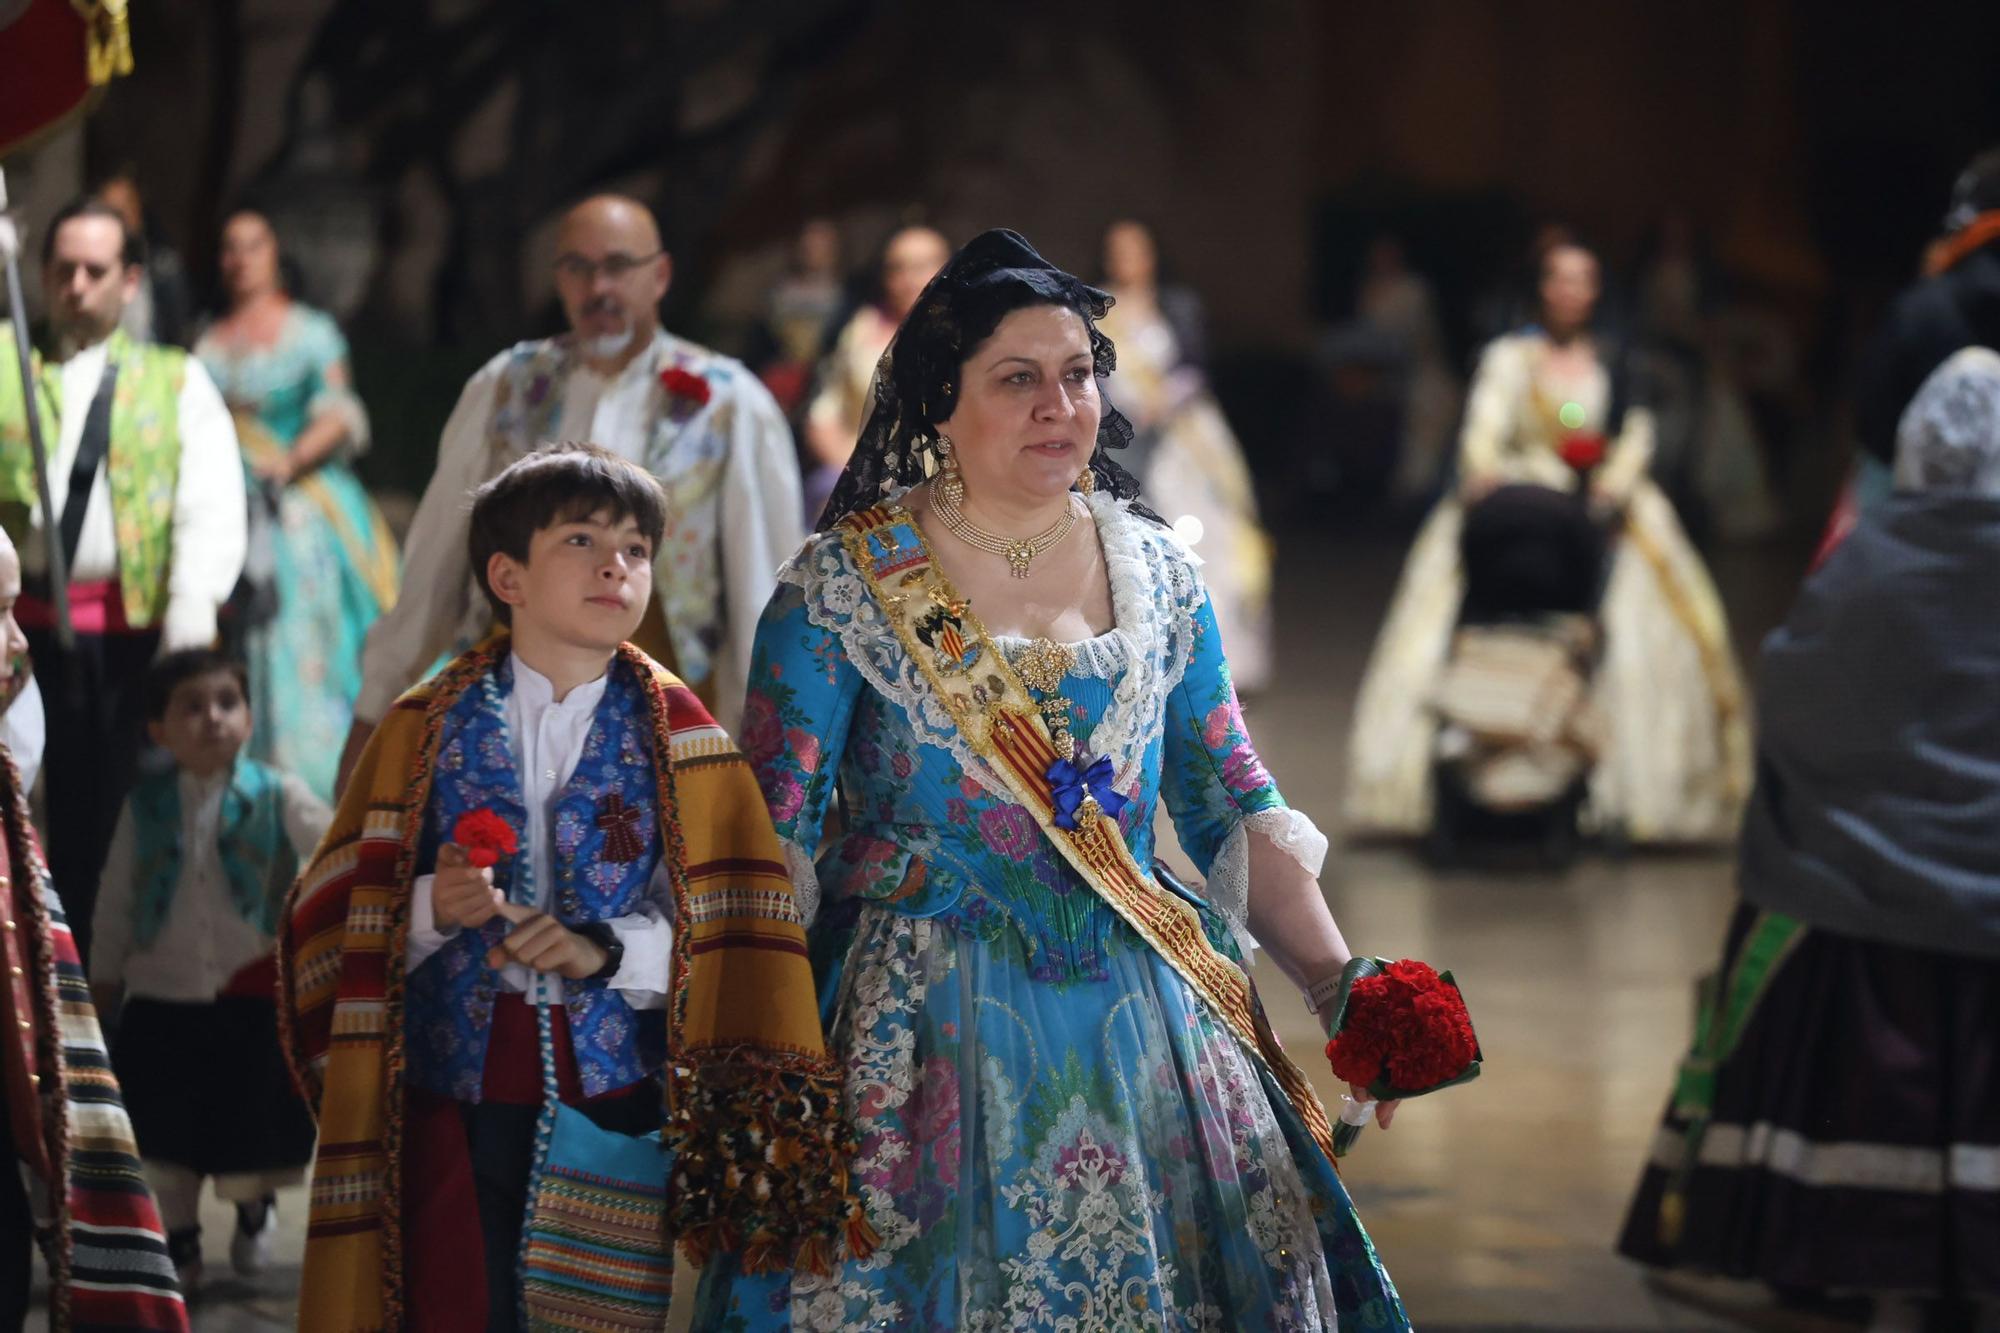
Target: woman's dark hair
[
  {"x": 917, "y": 381},
  {"x": 291, "y": 277},
  {"x": 177, "y": 669},
  {"x": 557, "y": 483}
]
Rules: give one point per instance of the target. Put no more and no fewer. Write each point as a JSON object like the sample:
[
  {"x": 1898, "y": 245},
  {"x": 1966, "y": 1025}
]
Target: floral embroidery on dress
[{"x": 1054, "y": 1134}]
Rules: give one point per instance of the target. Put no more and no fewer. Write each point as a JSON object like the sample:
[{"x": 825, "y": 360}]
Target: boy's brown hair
[{"x": 558, "y": 483}]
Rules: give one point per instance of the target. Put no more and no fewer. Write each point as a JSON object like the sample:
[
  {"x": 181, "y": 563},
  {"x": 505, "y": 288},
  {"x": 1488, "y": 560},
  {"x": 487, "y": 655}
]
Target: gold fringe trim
[
  {"x": 760, "y": 1170},
  {"x": 108, "y": 50}
]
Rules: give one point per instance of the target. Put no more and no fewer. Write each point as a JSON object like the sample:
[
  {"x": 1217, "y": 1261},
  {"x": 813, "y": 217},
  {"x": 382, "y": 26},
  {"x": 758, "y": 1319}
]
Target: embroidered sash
[{"x": 1002, "y": 724}]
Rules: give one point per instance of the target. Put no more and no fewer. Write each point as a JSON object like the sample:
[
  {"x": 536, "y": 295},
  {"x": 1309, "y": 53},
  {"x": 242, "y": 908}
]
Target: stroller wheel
[
  {"x": 1559, "y": 837},
  {"x": 1441, "y": 845}
]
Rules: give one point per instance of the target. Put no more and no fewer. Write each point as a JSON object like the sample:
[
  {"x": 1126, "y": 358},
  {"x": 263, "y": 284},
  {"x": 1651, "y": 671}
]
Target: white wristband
[{"x": 1322, "y": 993}]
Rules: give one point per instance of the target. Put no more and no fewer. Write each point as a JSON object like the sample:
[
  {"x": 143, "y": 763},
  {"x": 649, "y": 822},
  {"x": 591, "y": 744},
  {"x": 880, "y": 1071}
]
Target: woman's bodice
[
  {"x": 927, "y": 826},
  {"x": 283, "y": 383},
  {"x": 1520, "y": 409}
]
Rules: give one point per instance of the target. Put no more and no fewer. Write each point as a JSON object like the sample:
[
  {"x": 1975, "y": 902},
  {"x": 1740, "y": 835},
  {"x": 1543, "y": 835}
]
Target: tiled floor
[{"x": 1494, "y": 1205}]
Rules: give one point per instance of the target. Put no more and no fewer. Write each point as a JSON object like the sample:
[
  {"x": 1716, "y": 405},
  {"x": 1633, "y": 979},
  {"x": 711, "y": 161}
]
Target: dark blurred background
[{"x": 414, "y": 153}]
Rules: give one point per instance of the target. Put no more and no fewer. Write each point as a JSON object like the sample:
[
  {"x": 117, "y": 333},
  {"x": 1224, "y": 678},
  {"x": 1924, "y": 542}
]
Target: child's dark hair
[
  {"x": 176, "y": 669},
  {"x": 557, "y": 483}
]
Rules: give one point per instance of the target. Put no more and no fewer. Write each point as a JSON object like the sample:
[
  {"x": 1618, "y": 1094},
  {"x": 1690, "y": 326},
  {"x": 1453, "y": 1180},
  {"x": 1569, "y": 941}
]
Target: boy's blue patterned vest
[
  {"x": 448, "y": 1002},
  {"x": 257, "y": 855}
]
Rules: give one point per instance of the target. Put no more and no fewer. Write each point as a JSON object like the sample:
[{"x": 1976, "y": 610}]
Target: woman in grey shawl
[{"x": 1835, "y": 1130}]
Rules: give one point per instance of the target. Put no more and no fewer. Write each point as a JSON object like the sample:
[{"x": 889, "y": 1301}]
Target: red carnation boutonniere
[
  {"x": 1399, "y": 1030},
  {"x": 686, "y": 392},
  {"x": 1583, "y": 451},
  {"x": 485, "y": 836}
]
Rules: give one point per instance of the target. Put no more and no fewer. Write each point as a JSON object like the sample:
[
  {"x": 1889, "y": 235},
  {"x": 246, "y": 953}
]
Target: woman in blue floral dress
[
  {"x": 1060, "y": 1123},
  {"x": 328, "y": 568}
]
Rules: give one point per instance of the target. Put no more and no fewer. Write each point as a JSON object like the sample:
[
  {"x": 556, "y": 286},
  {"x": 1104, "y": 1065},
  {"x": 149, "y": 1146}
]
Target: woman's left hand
[
  {"x": 1384, "y": 1111},
  {"x": 1606, "y": 503}
]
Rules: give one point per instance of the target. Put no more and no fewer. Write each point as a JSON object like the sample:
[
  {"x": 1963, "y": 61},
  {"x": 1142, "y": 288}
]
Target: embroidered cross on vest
[{"x": 620, "y": 823}]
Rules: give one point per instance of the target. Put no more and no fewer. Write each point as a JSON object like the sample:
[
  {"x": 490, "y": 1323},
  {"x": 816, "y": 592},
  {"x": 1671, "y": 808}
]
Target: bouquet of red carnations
[{"x": 1399, "y": 1030}]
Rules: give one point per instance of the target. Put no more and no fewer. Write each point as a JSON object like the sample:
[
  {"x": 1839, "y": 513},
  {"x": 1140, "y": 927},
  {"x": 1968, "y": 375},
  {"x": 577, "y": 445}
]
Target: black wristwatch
[{"x": 604, "y": 937}]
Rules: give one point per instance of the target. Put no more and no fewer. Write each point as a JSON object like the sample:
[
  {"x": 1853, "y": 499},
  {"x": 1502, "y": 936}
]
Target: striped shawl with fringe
[
  {"x": 106, "y": 1250},
  {"x": 753, "y": 1097}
]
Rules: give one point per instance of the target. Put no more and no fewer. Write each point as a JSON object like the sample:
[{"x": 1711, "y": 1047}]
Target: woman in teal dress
[
  {"x": 330, "y": 567},
  {"x": 1070, "y": 1112}
]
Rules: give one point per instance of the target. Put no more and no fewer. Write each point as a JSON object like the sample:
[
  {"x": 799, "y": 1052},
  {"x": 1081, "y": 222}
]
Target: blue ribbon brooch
[{"x": 1072, "y": 785}]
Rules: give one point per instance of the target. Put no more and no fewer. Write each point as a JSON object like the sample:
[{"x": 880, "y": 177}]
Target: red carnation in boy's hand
[
  {"x": 485, "y": 836},
  {"x": 1583, "y": 450},
  {"x": 684, "y": 384}
]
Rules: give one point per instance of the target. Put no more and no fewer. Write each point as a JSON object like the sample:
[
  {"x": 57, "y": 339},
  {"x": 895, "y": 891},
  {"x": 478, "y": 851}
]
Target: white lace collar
[{"x": 1154, "y": 597}]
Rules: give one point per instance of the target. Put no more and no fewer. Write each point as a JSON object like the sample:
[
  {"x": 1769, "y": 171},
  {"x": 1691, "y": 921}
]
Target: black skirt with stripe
[{"x": 1854, "y": 1144}]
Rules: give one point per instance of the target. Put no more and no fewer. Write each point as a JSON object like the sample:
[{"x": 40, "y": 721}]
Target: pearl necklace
[{"x": 1019, "y": 552}]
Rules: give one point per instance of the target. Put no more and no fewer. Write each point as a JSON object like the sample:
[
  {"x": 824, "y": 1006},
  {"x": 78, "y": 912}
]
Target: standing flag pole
[{"x": 31, "y": 407}]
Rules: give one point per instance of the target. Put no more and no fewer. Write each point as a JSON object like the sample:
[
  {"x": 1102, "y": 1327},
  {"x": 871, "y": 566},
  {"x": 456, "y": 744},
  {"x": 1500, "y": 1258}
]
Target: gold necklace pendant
[{"x": 1018, "y": 552}]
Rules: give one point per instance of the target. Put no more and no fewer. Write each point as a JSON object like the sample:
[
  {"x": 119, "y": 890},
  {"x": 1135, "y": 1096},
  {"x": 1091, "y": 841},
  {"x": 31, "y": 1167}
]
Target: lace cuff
[
  {"x": 343, "y": 403},
  {"x": 1228, "y": 887},
  {"x": 805, "y": 881}
]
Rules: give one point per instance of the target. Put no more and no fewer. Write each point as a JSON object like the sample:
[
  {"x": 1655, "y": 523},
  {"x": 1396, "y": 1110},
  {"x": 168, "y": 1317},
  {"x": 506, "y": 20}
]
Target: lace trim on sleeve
[
  {"x": 1228, "y": 886},
  {"x": 805, "y": 881},
  {"x": 344, "y": 404}
]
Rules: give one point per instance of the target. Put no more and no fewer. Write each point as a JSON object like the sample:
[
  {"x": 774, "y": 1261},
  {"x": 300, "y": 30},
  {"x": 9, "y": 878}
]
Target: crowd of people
[{"x": 616, "y": 813}]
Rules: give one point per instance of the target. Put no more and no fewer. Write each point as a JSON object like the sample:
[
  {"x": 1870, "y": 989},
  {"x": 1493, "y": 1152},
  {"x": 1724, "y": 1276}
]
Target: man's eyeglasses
[{"x": 614, "y": 266}]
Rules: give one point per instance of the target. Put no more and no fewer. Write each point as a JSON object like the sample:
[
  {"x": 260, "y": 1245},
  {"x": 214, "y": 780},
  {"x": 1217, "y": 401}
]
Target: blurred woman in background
[
  {"x": 1188, "y": 461},
  {"x": 322, "y": 563},
  {"x": 1675, "y": 765},
  {"x": 846, "y": 391}
]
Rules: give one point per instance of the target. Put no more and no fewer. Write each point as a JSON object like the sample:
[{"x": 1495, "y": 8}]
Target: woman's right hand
[
  {"x": 1384, "y": 1111},
  {"x": 462, "y": 894}
]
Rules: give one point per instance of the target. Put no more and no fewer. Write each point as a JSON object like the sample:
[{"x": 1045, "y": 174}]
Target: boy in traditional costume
[
  {"x": 69, "y": 1175},
  {"x": 187, "y": 918},
  {"x": 643, "y": 905}
]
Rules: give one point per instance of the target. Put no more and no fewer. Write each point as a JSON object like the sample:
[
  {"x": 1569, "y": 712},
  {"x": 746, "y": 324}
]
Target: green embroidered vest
[
  {"x": 143, "y": 465},
  {"x": 257, "y": 855}
]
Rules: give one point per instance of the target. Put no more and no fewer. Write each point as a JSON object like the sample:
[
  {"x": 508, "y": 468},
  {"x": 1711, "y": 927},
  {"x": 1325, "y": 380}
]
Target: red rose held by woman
[{"x": 1583, "y": 450}]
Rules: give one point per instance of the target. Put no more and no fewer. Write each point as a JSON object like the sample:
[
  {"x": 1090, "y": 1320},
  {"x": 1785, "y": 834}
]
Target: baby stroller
[{"x": 1517, "y": 735}]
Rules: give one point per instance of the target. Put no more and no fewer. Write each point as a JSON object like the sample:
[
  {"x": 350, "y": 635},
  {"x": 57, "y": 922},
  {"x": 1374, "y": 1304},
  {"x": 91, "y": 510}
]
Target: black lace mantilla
[{"x": 916, "y": 382}]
